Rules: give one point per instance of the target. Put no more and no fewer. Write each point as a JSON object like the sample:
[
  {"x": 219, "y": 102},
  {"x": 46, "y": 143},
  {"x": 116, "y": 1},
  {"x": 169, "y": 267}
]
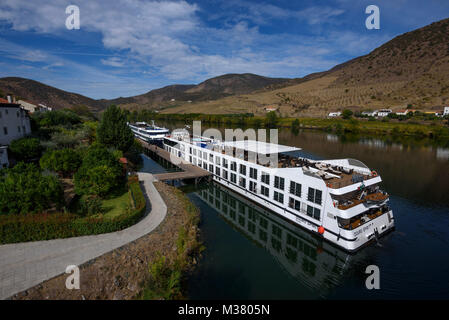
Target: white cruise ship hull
[{"x": 324, "y": 223}]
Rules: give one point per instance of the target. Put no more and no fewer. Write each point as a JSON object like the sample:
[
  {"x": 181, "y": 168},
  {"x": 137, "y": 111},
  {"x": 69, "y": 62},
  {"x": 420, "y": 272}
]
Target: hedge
[{"x": 34, "y": 227}]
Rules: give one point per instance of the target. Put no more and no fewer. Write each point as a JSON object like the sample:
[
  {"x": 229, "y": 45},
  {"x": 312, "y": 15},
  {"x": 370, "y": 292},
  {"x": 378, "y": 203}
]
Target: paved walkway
[{"x": 27, "y": 264}]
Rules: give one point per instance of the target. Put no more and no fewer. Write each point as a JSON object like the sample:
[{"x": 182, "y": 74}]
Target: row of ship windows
[
  {"x": 313, "y": 195},
  {"x": 309, "y": 210}
]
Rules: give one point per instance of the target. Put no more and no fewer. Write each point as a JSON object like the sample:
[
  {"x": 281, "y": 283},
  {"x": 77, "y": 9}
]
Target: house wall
[{"x": 14, "y": 124}]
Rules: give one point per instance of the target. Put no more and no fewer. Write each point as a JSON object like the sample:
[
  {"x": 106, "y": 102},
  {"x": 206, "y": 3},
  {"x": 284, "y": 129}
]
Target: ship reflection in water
[{"x": 312, "y": 261}]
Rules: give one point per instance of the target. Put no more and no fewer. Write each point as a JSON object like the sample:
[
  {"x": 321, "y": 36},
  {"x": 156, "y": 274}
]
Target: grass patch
[{"x": 116, "y": 206}]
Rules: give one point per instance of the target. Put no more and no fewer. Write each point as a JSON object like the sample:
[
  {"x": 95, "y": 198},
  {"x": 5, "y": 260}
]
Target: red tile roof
[{"x": 3, "y": 100}]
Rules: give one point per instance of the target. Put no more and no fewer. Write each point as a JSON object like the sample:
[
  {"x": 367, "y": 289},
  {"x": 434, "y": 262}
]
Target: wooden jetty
[{"x": 189, "y": 171}]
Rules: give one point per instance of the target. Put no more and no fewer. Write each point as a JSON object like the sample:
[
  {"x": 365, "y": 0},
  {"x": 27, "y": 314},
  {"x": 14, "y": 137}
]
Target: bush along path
[
  {"x": 34, "y": 227},
  {"x": 24, "y": 265},
  {"x": 151, "y": 267}
]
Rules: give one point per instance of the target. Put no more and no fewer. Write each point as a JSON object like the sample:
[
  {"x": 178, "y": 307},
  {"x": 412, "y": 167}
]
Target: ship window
[
  {"x": 265, "y": 178},
  {"x": 217, "y": 171},
  {"x": 225, "y": 163},
  {"x": 314, "y": 195},
  {"x": 194, "y": 151},
  {"x": 243, "y": 169},
  {"x": 242, "y": 182},
  {"x": 217, "y": 160},
  {"x": 295, "y": 188},
  {"x": 253, "y": 173},
  {"x": 5, "y": 130},
  {"x": 233, "y": 178},
  {"x": 211, "y": 168},
  {"x": 225, "y": 174},
  {"x": 190, "y": 150},
  {"x": 279, "y": 197},
  {"x": 252, "y": 186},
  {"x": 233, "y": 166},
  {"x": 211, "y": 157},
  {"x": 279, "y": 182},
  {"x": 294, "y": 204},
  {"x": 265, "y": 191},
  {"x": 18, "y": 128},
  {"x": 205, "y": 165},
  {"x": 313, "y": 212}
]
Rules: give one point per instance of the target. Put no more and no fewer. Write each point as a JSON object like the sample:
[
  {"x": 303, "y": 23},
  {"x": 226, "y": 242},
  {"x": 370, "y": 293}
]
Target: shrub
[
  {"x": 26, "y": 149},
  {"x": 32, "y": 227},
  {"x": 65, "y": 162},
  {"x": 346, "y": 114},
  {"x": 55, "y": 118},
  {"x": 24, "y": 189},
  {"x": 90, "y": 205}
]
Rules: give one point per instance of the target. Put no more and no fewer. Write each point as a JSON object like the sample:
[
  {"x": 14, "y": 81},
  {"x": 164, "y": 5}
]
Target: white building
[
  {"x": 30, "y": 107},
  {"x": 370, "y": 113},
  {"x": 446, "y": 111},
  {"x": 334, "y": 114},
  {"x": 14, "y": 124},
  {"x": 383, "y": 112}
]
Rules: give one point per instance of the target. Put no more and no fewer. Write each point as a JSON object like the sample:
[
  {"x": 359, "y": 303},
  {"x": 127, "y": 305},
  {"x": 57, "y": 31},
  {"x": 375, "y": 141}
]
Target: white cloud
[
  {"x": 113, "y": 62},
  {"x": 167, "y": 38}
]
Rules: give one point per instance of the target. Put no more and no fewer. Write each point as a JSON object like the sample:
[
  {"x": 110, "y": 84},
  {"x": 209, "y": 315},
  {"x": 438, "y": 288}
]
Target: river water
[{"x": 253, "y": 254}]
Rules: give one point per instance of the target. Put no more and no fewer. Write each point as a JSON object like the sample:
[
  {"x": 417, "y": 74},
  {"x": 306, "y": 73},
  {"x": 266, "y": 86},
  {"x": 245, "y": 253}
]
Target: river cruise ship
[
  {"x": 339, "y": 200},
  {"x": 148, "y": 132}
]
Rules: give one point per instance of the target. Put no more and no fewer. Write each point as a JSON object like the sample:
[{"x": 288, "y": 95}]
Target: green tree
[
  {"x": 271, "y": 119},
  {"x": 65, "y": 161},
  {"x": 98, "y": 181},
  {"x": 99, "y": 174},
  {"x": 347, "y": 114},
  {"x": 113, "y": 130},
  {"x": 26, "y": 149},
  {"x": 23, "y": 189}
]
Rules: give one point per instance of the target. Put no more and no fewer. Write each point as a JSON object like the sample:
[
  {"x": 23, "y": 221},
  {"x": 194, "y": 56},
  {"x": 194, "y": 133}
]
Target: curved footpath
[{"x": 25, "y": 265}]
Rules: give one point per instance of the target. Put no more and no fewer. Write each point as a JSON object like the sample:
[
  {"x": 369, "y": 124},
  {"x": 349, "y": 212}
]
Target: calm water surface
[{"x": 253, "y": 254}]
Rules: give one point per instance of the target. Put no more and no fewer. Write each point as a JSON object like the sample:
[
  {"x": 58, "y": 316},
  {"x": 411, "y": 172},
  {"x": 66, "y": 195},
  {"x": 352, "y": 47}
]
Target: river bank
[
  {"x": 436, "y": 129},
  {"x": 124, "y": 272}
]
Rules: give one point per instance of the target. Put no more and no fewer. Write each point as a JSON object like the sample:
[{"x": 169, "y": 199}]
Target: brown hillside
[{"x": 410, "y": 69}]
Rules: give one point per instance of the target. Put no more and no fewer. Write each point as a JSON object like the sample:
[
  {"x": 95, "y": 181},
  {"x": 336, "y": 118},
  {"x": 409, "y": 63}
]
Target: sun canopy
[{"x": 259, "y": 146}]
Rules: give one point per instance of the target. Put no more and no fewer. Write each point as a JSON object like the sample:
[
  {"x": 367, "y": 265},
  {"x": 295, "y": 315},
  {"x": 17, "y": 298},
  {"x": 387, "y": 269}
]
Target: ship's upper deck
[{"x": 336, "y": 173}]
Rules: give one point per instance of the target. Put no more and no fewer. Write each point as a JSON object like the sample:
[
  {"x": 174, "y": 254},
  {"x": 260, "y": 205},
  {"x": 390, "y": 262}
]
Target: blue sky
[{"x": 128, "y": 47}]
